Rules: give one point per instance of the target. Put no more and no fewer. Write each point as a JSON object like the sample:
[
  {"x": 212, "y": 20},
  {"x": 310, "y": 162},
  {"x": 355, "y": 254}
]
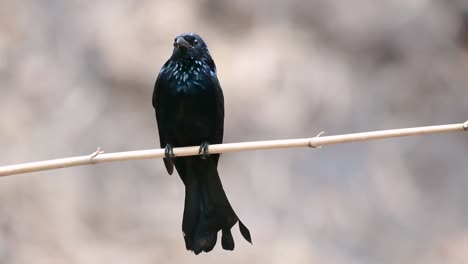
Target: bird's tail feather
[{"x": 207, "y": 209}]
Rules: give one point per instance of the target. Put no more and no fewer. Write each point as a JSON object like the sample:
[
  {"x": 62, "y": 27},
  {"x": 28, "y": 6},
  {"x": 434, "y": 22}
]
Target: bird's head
[{"x": 190, "y": 45}]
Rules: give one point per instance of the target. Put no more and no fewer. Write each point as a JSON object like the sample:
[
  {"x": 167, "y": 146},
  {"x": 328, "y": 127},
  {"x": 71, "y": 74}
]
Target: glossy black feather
[{"x": 189, "y": 106}]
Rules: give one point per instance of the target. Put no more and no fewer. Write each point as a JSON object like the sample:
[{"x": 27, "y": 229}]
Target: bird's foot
[
  {"x": 169, "y": 152},
  {"x": 203, "y": 151}
]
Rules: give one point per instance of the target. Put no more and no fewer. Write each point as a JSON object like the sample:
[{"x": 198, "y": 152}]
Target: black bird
[{"x": 189, "y": 106}]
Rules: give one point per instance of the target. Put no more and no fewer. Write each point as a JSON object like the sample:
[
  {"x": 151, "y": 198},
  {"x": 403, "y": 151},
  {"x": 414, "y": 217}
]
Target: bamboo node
[
  {"x": 95, "y": 154},
  {"x": 310, "y": 143}
]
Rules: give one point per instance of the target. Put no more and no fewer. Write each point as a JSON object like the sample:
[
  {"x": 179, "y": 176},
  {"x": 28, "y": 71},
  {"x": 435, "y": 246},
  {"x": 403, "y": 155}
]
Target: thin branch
[{"x": 99, "y": 156}]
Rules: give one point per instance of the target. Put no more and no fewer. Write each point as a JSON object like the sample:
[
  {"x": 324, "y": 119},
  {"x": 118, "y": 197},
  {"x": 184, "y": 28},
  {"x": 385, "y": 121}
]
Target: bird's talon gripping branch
[
  {"x": 203, "y": 151},
  {"x": 169, "y": 152}
]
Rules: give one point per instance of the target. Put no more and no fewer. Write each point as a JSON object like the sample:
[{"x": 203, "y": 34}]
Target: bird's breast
[{"x": 188, "y": 78}]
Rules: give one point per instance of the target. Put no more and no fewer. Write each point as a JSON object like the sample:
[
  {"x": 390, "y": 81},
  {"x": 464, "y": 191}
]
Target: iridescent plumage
[{"x": 189, "y": 106}]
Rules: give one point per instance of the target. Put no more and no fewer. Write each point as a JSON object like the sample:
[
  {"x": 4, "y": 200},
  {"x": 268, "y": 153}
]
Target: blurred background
[{"x": 75, "y": 75}]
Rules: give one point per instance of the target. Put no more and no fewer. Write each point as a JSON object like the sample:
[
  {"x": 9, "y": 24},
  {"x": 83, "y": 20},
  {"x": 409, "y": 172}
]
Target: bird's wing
[
  {"x": 220, "y": 115},
  {"x": 158, "y": 86},
  {"x": 219, "y": 127}
]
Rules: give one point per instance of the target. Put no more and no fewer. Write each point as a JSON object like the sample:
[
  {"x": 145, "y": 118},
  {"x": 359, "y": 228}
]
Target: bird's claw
[
  {"x": 203, "y": 151},
  {"x": 169, "y": 152}
]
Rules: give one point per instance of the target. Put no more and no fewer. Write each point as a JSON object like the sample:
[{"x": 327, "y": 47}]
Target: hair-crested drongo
[{"x": 189, "y": 106}]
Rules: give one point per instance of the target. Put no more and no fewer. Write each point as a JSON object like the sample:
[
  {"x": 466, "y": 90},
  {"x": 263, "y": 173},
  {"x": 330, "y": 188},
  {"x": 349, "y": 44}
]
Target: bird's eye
[{"x": 195, "y": 42}]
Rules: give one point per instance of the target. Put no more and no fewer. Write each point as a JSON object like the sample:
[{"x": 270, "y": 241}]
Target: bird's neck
[{"x": 188, "y": 61}]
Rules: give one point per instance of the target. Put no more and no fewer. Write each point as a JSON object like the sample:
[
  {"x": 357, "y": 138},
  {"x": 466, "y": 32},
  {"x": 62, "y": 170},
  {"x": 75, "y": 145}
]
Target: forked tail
[{"x": 207, "y": 209}]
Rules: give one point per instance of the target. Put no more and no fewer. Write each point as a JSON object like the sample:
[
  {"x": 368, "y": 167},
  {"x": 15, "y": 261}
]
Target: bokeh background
[{"x": 75, "y": 75}]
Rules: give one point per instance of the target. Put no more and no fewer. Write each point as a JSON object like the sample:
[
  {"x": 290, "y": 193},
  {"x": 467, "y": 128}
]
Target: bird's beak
[{"x": 180, "y": 41}]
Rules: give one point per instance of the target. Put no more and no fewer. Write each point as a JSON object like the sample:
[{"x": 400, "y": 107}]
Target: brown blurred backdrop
[{"x": 75, "y": 75}]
